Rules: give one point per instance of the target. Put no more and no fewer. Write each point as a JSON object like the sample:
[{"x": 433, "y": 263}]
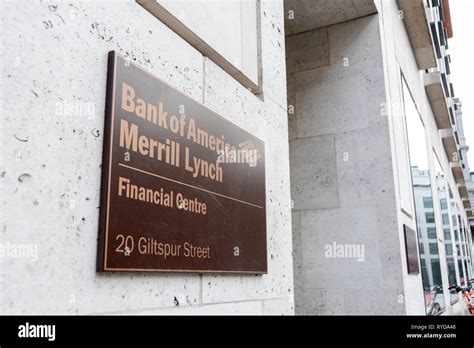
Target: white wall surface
[
  {"x": 56, "y": 52},
  {"x": 210, "y": 19}
]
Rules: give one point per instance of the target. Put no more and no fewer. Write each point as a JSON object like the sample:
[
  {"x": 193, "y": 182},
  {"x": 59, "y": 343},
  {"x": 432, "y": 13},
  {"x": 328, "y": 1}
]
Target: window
[
  {"x": 444, "y": 203},
  {"x": 461, "y": 272},
  {"x": 445, "y": 199},
  {"x": 427, "y": 202},
  {"x": 447, "y": 234},
  {"x": 429, "y": 218},
  {"x": 449, "y": 249},
  {"x": 436, "y": 271},
  {"x": 422, "y": 250},
  {"x": 431, "y": 231},
  {"x": 423, "y": 199},
  {"x": 445, "y": 219},
  {"x": 433, "y": 249},
  {"x": 452, "y": 280}
]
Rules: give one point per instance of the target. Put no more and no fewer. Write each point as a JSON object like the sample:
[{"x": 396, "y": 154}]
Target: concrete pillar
[{"x": 341, "y": 173}]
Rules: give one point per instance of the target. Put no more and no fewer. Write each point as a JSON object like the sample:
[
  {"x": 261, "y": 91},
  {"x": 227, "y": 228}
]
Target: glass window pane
[
  {"x": 449, "y": 249},
  {"x": 443, "y": 203},
  {"x": 433, "y": 248},
  {"x": 452, "y": 279},
  {"x": 445, "y": 219},
  {"x": 431, "y": 232},
  {"x": 445, "y": 196},
  {"x": 429, "y": 218},
  {"x": 424, "y": 210},
  {"x": 428, "y": 202},
  {"x": 447, "y": 234}
]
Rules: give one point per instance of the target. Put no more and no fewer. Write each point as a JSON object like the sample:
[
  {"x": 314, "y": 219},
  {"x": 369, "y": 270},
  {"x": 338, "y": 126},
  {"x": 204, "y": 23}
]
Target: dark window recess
[
  {"x": 451, "y": 87},
  {"x": 451, "y": 115},
  {"x": 456, "y": 135},
  {"x": 446, "y": 36},
  {"x": 434, "y": 3},
  {"x": 448, "y": 69},
  {"x": 442, "y": 38},
  {"x": 433, "y": 248},
  {"x": 441, "y": 12},
  {"x": 431, "y": 232},
  {"x": 435, "y": 40},
  {"x": 447, "y": 234},
  {"x": 445, "y": 84},
  {"x": 429, "y": 218}
]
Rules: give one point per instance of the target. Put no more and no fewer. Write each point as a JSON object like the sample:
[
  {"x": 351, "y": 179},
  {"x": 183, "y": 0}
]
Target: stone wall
[
  {"x": 341, "y": 172},
  {"x": 55, "y": 53}
]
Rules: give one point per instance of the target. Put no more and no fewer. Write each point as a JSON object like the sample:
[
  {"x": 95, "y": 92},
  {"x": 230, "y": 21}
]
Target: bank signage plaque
[{"x": 183, "y": 189}]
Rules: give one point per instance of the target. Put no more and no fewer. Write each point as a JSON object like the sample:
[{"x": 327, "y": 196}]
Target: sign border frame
[{"x": 102, "y": 244}]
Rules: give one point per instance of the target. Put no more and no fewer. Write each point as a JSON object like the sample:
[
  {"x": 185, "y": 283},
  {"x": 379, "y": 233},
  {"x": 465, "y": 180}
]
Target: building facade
[
  {"x": 363, "y": 142},
  {"x": 54, "y": 68},
  {"x": 375, "y": 150}
]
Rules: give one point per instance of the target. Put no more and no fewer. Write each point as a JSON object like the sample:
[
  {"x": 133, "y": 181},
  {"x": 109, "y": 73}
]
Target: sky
[{"x": 462, "y": 65}]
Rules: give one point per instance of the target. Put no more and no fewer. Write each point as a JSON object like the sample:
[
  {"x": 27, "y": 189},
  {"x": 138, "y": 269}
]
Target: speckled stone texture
[
  {"x": 55, "y": 54},
  {"x": 341, "y": 172}
]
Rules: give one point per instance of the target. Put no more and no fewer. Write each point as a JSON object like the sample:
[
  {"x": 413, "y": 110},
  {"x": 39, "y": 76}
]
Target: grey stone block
[
  {"x": 313, "y": 173},
  {"x": 307, "y": 50},
  {"x": 330, "y": 100}
]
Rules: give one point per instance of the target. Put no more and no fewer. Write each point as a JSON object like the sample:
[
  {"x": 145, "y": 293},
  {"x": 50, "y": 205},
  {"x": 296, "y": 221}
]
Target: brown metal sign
[
  {"x": 411, "y": 250},
  {"x": 183, "y": 189}
]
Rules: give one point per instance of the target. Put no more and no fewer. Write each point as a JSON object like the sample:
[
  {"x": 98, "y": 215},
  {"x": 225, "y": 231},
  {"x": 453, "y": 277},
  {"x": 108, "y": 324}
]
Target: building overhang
[
  {"x": 449, "y": 143},
  {"x": 418, "y": 30},
  {"x": 316, "y": 14},
  {"x": 463, "y": 191},
  {"x": 467, "y": 205},
  {"x": 436, "y": 95},
  {"x": 457, "y": 171}
]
